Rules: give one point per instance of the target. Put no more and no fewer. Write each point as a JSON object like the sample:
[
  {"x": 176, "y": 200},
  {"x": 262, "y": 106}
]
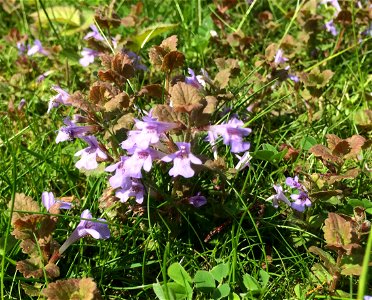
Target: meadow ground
[{"x": 185, "y": 149}]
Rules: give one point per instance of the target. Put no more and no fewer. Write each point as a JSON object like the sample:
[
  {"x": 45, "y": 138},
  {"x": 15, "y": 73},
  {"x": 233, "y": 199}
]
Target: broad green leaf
[
  {"x": 234, "y": 296},
  {"x": 220, "y": 271},
  {"x": 65, "y": 15},
  {"x": 269, "y": 147},
  {"x": 222, "y": 291},
  {"x": 178, "y": 274},
  {"x": 87, "y": 19},
  {"x": 251, "y": 283},
  {"x": 179, "y": 292},
  {"x": 307, "y": 142},
  {"x": 159, "y": 291},
  {"x": 204, "y": 281},
  {"x": 349, "y": 269},
  {"x": 264, "y": 155},
  {"x": 264, "y": 278},
  {"x": 150, "y": 32}
]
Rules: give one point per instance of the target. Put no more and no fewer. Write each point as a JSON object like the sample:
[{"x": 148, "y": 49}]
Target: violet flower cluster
[{"x": 299, "y": 195}]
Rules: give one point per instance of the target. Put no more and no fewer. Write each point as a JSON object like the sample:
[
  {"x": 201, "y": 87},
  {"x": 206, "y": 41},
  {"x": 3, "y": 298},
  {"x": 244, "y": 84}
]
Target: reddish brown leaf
[
  {"x": 324, "y": 153},
  {"x": 341, "y": 149},
  {"x": 332, "y": 141},
  {"x": 170, "y": 43},
  {"x": 185, "y": 97},
  {"x": 124, "y": 122},
  {"x": 165, "y": 113},
  {"x": 23, "y": 203},
  {"x": 338, "y": 232},
  {"x": 153, "y": 90},
  {"x": 119, "y": 102},
  {"x": 156, "y": 56},
  {"x": 172, "y": 60},
  {"x": 222, "y": 78},
  {"x": 83, "y": 289},
  {"x": 356, "y": 143}
]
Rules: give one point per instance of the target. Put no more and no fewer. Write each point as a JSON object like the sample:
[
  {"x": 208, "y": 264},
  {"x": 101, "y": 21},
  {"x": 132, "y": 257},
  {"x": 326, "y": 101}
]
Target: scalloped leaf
[
  {"x": 83, "y": 289},
  {"x": 185, "y": 97},
  {"x": 337, "y": 231},
  {"x": 23, "y": 203},
  {"x": 172, "y": 60}
]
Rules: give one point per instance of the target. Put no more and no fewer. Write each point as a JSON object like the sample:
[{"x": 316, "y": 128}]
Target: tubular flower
[
  {"x": 89, "y": 155},
  {"x": 182, "y": 160},
  {"x": 48, "y": 201},
  {"x": 98, "y": 229},
  {"x": 232, "y": 134}
]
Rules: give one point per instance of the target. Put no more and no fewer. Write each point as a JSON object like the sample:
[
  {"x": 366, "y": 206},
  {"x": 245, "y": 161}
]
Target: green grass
[{"x": 146, "y": 240}]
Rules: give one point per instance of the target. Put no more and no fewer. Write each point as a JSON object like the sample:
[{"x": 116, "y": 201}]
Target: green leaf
[
  {"x": 150, "y": 32},
  {"x": 234, "y": 296},
  {"x": 65, "y": 15},
  {"x": 264, "y": 278},
  {"x": 159, "y": 291},
  {"x": 269, "y": 148},
  {"x": 87, "y": 19},
  {"x": 179, "y": 292},
  {"x": 222, "y": 291},
  {"x": 264, "y": 155},
  {"x": 220, "y": 271},
  {"x": 298, "y": 291},
  {"x": 251, "y": 283},
  {"x": 204, "y": 281},
  {"x": 307, "y": 142},
  {"x": 178, "y": 274}
]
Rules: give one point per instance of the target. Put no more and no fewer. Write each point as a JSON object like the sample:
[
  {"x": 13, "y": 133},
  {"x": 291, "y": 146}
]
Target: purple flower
[
  {"x": 141, "y": 158},
  {"x": 182, "y": 160},
  {"x": 334, "y": 3},
  {"x": 279, "y": 58},
  {"x": 41, "y": 77},
  {"x": 243, "y": 161},
  {"x": 293, "y": 183},
  {"x": 279, "y": 196},
  {"x": 198, "y": 200},
  {"x": 232, "y": 134},
  {"x": 120, "y": 179},
  {"x": 88, "y": 56},
  {"x": 98, "y": 229},
  {"x": 330, "y": 27},
  {"x": 72, "y": 131},
  {"x": 61, "y": 98},
  {"x": 366, "y": 297},
  {"x": 193, "y": 80},
  {"x": 37, "y": 48},
  {"x": 88, "y": 160},
  {"x": 149, "y": 132},
  {"x": 293, "y": 77},
  {"x": 21, "y": 48},
  {"x": 301, "y": 201},
  {"x": 136, "y": 60},
  {"x": 21, "y": 104},
  {"x": 136, "y": 189},
  {"x": 95, "y": 34},
  {"x": 48, "y": 201}
]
